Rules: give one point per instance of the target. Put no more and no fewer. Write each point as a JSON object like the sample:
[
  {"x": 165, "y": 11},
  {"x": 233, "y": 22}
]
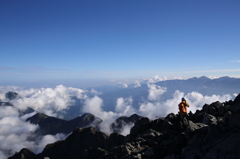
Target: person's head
[{"x": 183, "y": 99}]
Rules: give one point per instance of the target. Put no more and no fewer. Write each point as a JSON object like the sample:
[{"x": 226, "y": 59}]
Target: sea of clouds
[{"x": 16, "y": 133}]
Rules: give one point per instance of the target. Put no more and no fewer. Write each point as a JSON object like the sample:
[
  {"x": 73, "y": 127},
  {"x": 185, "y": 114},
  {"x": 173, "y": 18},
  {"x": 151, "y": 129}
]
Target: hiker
[{"x": 183, "y": 107}]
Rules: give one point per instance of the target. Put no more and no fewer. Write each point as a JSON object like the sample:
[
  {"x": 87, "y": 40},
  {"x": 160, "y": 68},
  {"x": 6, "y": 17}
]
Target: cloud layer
[
  {"x": 16, "y": 133},
  {"x": 152, "y": 107},
  {"x": 45, "y": 100}
]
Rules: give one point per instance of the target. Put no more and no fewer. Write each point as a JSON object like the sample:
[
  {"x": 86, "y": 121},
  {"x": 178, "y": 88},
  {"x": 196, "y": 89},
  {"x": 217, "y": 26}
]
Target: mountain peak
[
  {"x": 38, "y": 117},
  {"x": 11, "y": 95},
  {"x": 237, "y": 99},
  {"x": 24, "y": 153}
]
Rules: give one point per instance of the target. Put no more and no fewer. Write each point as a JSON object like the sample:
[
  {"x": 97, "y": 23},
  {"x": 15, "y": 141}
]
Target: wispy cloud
[
  {"x": 211, "y": 71},
  {"x": 235, "y": 61}
]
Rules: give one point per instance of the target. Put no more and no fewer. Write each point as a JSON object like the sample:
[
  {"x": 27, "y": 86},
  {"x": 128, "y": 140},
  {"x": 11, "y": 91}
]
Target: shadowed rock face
[{"x": 213, "y": 132}]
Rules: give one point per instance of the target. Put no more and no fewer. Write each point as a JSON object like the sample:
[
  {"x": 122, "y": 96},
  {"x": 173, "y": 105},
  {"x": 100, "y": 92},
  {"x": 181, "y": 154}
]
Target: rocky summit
[{"x": 210, "y": 133}]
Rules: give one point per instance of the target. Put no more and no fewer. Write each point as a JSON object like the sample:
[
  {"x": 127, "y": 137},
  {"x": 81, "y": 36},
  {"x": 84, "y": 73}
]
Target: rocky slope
[{"x": 213, "y": 132}]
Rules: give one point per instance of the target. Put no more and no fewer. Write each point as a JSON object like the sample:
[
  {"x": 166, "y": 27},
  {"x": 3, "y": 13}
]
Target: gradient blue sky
[{"x": 43, "y": 40}]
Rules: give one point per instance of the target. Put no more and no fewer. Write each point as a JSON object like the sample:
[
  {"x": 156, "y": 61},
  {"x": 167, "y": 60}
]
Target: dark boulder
[{"x": 226, "y": 148}]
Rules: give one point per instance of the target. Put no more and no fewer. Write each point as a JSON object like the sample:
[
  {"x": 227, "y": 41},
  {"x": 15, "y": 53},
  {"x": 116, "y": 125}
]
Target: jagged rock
[
  {"x": 227, "y": 148},
  {"x": 226, "y": 117},
  {"x": 23, "y": 154},
  {"x": 235, "y": 105},
  {"x": 114, "y": 139},
  {"x": 95, "y": 153},
  {"x": 137, "y": 156},
  {"x": 140, "y": 126},
  {"x": 191, "y": 127},
  {"x": 149, "y": 134},
  {"x": 233, "y": 121},
  {"x": 172, "y": 156},
  {"x": 223, "y": 109},
  {"x": 209, "y": 119},
  {"x": 74, "y": 145},
  {"x": 149, "y": 152},
  {"x": 158, "y": 125},
  {"x": 237, "y": 99}
]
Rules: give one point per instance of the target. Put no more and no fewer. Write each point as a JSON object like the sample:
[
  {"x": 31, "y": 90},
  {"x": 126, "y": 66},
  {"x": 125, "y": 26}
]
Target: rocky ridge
[
  {"x": 52, "y": 125},
  {"x": 213, "y": 132}
]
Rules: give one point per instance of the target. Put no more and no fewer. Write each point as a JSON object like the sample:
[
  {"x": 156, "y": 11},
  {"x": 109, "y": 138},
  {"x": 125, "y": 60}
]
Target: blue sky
[{"x": 43, "y": 40}]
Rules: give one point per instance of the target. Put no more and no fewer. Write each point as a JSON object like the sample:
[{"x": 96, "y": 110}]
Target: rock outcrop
[{"x": 213, "y": 132}]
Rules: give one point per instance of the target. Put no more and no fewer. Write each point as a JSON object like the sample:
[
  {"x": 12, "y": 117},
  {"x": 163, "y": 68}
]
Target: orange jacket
[{"x": 183, "y": 107}]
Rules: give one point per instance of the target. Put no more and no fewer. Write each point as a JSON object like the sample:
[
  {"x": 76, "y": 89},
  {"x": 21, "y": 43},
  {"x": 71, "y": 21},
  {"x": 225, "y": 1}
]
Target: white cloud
[
  {"x": 7, "y": 111},
  {"x": 157, "y": 79},
  {"x": 16, "y": 133},
  {"x": 137, "y": 84},
  {"x": 155, "y": 91},
  {"x": 124, "y": 107},
  {"x": 94, "y": 106},
  {"x": 197, "y": 100},
  {"x": 3, "y": 155},
  {"x": 126, "y": 129},
  {"x": 93, "y": 91},
  {"x": 235, "y": 94},
  {"x": 26, "y": 116},
  {"x": 235, "y": 61},
  {"x": 213, "y": 77},
  {"x": 47, "y": 139},
  {"x": 46, "y": 100},
  {"x": 158, "y": 108},
  {"x": 177, "y": 78},
  {"x": 124, "y": 85}
]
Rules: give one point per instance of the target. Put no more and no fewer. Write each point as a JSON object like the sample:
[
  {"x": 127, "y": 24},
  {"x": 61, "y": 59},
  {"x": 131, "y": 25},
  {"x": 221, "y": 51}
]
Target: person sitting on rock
[{"x": 183, "y": 107}]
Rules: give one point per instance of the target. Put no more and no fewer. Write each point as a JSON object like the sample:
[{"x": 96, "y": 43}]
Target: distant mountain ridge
[
  {"x": 52, "y": 125},
  {"x": 203, "y": 85}
]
